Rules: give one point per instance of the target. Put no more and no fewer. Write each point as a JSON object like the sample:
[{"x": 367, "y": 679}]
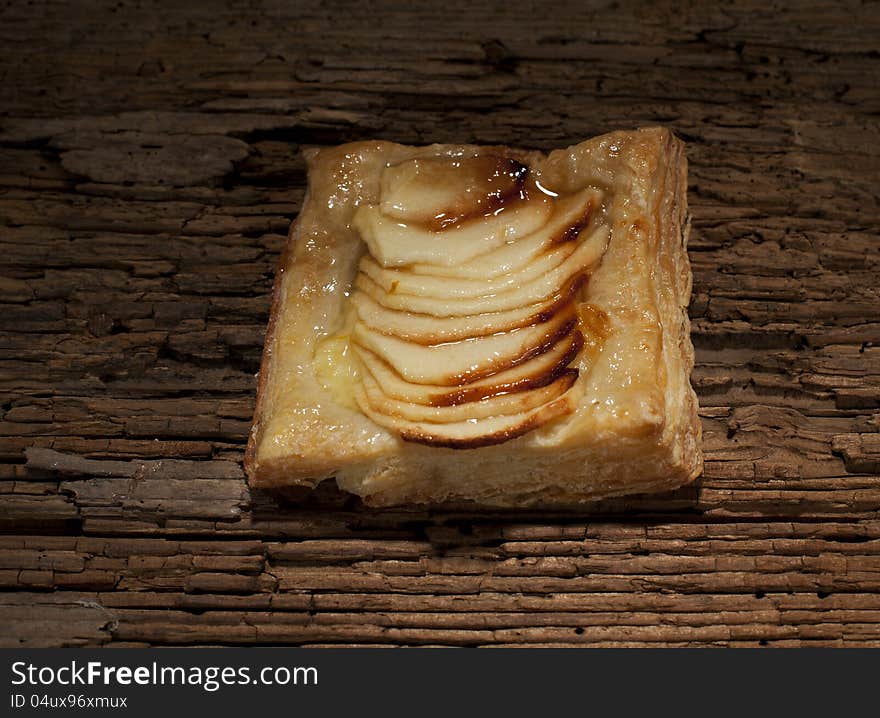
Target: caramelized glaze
[
  {"x": 438, "y": 192},
  {"x": 467, "y": 319}
]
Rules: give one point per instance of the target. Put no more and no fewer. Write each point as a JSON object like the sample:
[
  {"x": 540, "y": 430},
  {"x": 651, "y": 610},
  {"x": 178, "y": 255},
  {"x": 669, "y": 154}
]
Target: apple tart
[{"x": 466, "y": 323}]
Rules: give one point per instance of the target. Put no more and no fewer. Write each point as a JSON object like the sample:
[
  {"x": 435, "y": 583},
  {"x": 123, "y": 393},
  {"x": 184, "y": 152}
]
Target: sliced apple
[
  {"x": 537, "y": 372},
  {"x": 439, "y": 191},
  {"x": 584, "y": 258},
  {"x": 514, "y": 402},
  {"x": 466, "y": 305},
  {"x": 470, "y": 434},
  {"x": 570, "y": 215},
  {"x": 394, "y": 243},
  {"x": 402, "y": 281},
  {"x": 425, "y": 329},
  {"x": 461, "y": 362}
]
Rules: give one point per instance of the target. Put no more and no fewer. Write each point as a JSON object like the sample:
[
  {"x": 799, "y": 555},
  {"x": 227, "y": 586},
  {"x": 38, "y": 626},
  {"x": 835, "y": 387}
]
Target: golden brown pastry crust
[{"x": 634, "y": 426}]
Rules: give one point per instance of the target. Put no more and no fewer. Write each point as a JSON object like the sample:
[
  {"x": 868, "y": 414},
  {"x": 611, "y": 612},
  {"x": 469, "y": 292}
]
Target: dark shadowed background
[{"x": 149, "y": 169}]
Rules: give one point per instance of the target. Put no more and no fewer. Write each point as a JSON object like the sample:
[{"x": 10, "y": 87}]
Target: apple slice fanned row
[
  {"x": 439, "y": 191},
  {"x": 470, "y": 433},
  {"x": 428, "y": 329},
  {"x": 532, "y": 374},
  {"x": 400, "y": 281},
  {"x": 466, "y": 360},
  {"x": 502, "y": 404},
  {"x": 393, "y": 243},
  {"x": 465, "y": 305},
  {"x": 585, "y": 256},
  {"x": 571, "y": 215}
]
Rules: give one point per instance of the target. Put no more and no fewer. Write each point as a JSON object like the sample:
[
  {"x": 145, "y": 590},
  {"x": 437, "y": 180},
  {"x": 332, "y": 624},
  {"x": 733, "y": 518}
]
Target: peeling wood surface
[{"x": 149, "y": 168}]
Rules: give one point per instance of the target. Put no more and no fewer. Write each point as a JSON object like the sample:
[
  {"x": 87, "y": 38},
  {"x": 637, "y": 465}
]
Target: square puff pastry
[{"x": 378, "y": 364}]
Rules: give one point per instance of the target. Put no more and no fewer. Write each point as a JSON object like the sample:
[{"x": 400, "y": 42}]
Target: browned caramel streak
[
  {"x": 565, "y": 381},
  {"x": 466, "y": 395},
  {"x": 541, "y": 416},
  {"x": 594, "y": 321},
  {"x": 559, "y": 301},
  {"x": 470, "y": 377},
  {"x": 493, "y": 202},
  {"x": 569, "y": 291},
  {"x": 573, "y": 232}
]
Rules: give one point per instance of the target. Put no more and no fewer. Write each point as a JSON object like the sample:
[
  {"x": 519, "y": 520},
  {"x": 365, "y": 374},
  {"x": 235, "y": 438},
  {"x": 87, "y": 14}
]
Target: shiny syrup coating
[
  {"x": 444, "y": 195},
  {"x": 438, "y": 192}
]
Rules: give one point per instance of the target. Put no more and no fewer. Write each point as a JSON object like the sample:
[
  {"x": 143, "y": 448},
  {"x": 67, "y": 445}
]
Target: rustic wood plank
[{"x": 148, "y": 174}]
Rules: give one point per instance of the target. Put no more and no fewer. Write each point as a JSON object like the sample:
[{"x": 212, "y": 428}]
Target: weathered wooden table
[{"x": 149, "y": 169}]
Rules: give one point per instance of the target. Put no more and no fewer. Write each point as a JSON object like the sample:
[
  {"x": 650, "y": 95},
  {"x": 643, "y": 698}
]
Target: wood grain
[{"x": 149, "y": 169}]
